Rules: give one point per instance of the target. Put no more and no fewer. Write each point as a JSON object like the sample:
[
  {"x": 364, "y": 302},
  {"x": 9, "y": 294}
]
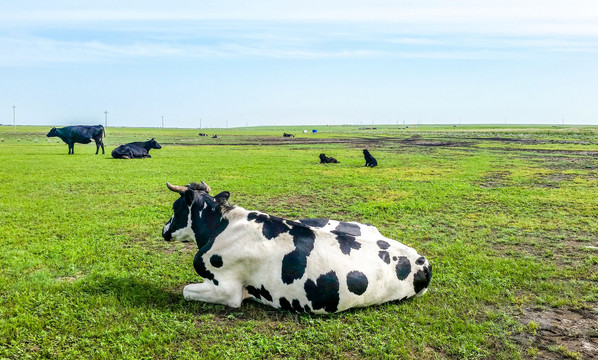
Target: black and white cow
[
  {"x": 135, "y": 150},
  {"x": 311, "y": 265},
  {"x": 81, "y": 134}
]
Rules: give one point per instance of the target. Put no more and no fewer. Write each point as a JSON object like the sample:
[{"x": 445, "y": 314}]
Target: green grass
[{"x": 508, "y": 229}]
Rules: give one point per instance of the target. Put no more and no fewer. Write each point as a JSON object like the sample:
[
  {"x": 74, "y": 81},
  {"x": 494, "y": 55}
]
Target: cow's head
[
  {"x": 154, "y": 145},
  {"x": 197, "y": 216},
  {"x": 53, "y": 132}
]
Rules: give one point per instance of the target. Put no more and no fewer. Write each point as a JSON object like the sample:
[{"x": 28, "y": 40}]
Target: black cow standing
[
  {"x": 327, "y": 160},
  {"x": 369, "y": 159},
  {"x": 81, "y": 134},
  {"x": 135, "y": 150}
]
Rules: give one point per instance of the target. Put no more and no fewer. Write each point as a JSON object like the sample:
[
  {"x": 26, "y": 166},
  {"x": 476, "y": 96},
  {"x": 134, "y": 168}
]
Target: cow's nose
[{"x": 167, "y": 236}]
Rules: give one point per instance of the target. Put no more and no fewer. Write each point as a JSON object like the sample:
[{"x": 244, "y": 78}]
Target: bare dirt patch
[
  {"x": 568, "y": 163},
  {"x": 546, "y": 151},
  {"x": 530, "y": 141},
  {"x": 560, "y": 333},
  {"x": 416, "y": 140},
  {"x": 495, "y": 179}
]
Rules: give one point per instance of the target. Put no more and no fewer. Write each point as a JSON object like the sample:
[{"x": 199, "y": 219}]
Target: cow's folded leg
[{"x": 229, "y": 294}]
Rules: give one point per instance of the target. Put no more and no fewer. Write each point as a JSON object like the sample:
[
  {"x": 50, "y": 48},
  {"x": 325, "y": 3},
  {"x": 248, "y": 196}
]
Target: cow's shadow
[{"x": 133, "y": 292}]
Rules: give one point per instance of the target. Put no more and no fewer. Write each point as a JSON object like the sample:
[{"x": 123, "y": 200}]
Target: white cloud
[
  {"x": 99, "y": 31},
  {"x": 574, "y": 16}
]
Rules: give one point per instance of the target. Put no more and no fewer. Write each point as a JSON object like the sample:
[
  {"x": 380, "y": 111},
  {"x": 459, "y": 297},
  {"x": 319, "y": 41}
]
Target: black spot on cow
[
  {"x": 285, "y": 304},
  {"x": 346, "y": 242},
  {"x": 348, "y": 228},
  {"x": 421, "y": 279},
  {"x": 394, "y": 258},
  {"x": 324, "y": 293},
  {"x": 403, "y": 268},
  {"x": 259, "y": 293},
  {"x": 319, "y": 223},
  {"x": 216, "y": 261},
  {"x": 420, "y": 261},
  {"x": 272, "y": 225},
  {"x": 357, "y": 282},
  {"x": 254, "y": 216},
  {"x": 294, "y": 263},
  {"x": 200, "y": 268},
  {"x": 297, "y": 306},
  {"x": 385, "y": 256},
  {"x": 292, "y": 223},
  {"x": 382, "y": 244}
]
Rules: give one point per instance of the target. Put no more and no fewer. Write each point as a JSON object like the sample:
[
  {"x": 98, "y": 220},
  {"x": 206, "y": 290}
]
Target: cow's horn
[
  {"x": 206, "y": 186},
  {"x": 176, "y": 188}
]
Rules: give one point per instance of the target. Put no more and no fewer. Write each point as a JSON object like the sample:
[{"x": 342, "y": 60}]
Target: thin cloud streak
[{"x": 575, "y": 17}]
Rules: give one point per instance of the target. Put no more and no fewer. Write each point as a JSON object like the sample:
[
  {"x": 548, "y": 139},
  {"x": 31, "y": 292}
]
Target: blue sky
[{"x": 238, "y": 63}]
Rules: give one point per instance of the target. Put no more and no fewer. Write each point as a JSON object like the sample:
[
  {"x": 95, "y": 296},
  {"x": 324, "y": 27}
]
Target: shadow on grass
[{"x": 132, "y": 292}]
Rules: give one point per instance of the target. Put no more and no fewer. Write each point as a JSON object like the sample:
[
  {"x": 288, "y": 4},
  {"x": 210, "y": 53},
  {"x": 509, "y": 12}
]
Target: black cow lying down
[
  {"x": 309, "y": 265},
  {"x": 81, "y": 134},
  {"x": 135, "y": 150},
  {"x": 327, "y": 160}
]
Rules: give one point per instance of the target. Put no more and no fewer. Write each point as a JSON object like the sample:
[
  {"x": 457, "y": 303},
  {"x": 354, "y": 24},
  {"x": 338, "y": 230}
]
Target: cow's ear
[
  {"x": 189, "y": 197},
  {"x": 222, "y": 198}
]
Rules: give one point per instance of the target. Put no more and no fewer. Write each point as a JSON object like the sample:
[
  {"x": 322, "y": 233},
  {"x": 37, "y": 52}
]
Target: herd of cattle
[
  {"x": 84, "y": 134},
  {"x": 308, "y": 265}
]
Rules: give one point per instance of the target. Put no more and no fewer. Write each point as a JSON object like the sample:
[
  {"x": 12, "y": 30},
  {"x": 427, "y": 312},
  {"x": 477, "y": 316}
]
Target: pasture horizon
[{"x": 310, "y": 127}]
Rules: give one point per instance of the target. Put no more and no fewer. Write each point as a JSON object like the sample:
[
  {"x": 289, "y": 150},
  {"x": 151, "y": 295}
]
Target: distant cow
[
  {"x": 311, "y": 265},
  {"x": 135, "y": 150},
  {"x": 215, "y": 136},
  {"x": 369, "y": 159},
  {"x": 202, "y": 134},
  {"x": 81, "y": 134},
  {"x": 287, "y": 135},
  {"x": 327, "y": 160}
]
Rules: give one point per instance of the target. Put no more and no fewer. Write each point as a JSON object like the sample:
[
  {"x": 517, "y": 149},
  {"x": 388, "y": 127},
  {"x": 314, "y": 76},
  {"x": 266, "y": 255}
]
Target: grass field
[{"x": 507, "y": 217}]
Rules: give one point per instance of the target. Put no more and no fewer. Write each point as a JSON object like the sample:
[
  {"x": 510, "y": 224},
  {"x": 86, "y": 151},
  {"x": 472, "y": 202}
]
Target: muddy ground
[{"x": 380, "y": 141}]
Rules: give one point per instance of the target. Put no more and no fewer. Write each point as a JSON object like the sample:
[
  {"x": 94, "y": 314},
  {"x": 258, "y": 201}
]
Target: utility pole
[
  {"x": 162, "y": 121},
  {"x": 106, "y": 118},
  {"x": 200, "y": 123},
  {"x": 14, "y": 118}
]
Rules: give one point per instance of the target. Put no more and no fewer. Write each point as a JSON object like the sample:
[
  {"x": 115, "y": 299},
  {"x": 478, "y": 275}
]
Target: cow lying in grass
[
  {"x": 311, "y": 265},
  {"x": 135, "y": 150},
  {"x": 327, "y": 160}
]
